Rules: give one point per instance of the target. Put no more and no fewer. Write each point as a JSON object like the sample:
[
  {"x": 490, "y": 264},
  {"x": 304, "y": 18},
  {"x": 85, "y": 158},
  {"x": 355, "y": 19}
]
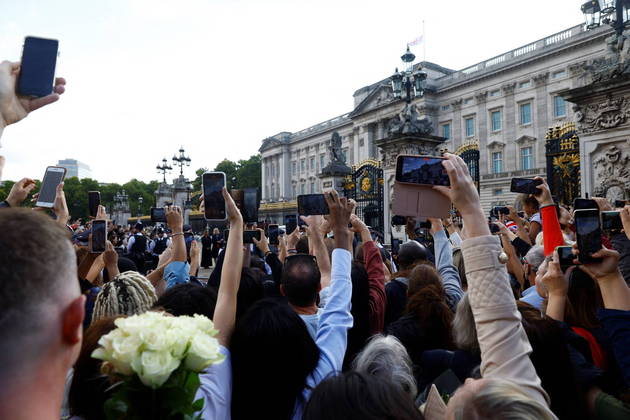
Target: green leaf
[{"x": 198, "y": 405}]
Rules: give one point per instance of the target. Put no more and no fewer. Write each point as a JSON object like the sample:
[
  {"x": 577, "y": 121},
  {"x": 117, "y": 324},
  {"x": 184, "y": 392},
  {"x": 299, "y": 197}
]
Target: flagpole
[{"x": 424, "y": 42}]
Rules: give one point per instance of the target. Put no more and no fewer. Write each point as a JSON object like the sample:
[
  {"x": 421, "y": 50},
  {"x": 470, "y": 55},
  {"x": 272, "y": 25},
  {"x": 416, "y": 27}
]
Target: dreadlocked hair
[{"x": 130, "y": 293}]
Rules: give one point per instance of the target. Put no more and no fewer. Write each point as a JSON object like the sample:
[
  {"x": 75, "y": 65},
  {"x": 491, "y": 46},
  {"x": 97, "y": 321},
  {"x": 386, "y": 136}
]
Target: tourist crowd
[{"x": 328, "y": 325}]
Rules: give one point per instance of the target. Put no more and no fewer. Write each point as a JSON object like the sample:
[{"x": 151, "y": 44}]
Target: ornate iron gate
[
  {"x": 563, "y": 162},
  {"x": 365, "y": 186},
  {"x": 469, "y": 152}
]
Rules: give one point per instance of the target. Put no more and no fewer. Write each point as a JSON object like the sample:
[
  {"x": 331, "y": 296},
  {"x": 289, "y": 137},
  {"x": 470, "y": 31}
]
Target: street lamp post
[
  {"x": 164, "y": 168},
  {"x": 615, "y": 13},
  {"x": 409, "y": 81},
  {"x": 140, "y": 200},
  {"x": 181, "y": 160}
]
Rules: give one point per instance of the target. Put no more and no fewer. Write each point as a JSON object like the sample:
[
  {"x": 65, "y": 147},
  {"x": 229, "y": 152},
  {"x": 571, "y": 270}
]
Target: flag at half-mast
[{"x": 416, "y": 41}]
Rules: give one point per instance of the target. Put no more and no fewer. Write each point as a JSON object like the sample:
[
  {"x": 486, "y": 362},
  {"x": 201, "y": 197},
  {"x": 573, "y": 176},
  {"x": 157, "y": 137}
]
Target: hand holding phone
[
  {"x": 566, "y": 258},
  {"x": 273, "y": 231},
  {"x": 421, "y": 170},
  {"x": 53, "y": 176},
  {"x": 94, "y": 200},
  {"x": 214, "y": 202},
  {"x": 98, "y": 238},
  {"x": 589, "y": 234},
  {"x": 158, "y": 215},
  {"x": 525, "y": 185},
  {"x": 312, "y": 205}
]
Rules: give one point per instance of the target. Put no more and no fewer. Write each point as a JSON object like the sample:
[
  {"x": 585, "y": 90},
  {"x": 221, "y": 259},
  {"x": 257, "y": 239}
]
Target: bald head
[
  {"x": 38, "y": 280},
  {"x": 411, "y": 253}
]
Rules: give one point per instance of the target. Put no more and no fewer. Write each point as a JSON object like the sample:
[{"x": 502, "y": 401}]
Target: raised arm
[
  {"x": 319, "y": 250},
  {"x": 444, "y": 264},
  {"x": 225, "y": 311},
  {"x": 552, "y": 233}
]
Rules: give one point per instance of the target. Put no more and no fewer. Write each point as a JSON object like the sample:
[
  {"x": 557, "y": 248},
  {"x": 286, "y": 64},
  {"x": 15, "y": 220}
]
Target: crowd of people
[{"x": 329, "y": 324}]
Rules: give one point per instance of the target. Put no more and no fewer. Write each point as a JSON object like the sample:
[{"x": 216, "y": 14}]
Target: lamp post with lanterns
[
  {"x": 410, "y": 81},
  {"x": 163, "y": 169},
  {"x": 615, "y": 13},
  {"x": 181, "y": 160}
]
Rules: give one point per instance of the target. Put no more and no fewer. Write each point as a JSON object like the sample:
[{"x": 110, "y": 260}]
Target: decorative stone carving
[
  {"x": 408, "y": 122},
  {"x": 541, "y": 79},
  {"x": 577, "y": 69},
  {"x": 481, "y": 97},
  {"x": 457, "y": 104},
  {"x": 427, "y": 109},
  {"x": 611, "y": 173},
  {"x": 524, "y": 140},
  {"x": 508, "y": 88},
  {"x": 604, "y": 115},
  {"x": 496, "y": 146},
  {"x": 616, "y": 62},
  {"x": 390, "y": 153}
]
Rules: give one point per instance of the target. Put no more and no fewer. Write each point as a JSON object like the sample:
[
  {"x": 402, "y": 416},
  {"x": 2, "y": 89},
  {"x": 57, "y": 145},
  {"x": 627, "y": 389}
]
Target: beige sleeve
[{"x": 504, "y": 345}]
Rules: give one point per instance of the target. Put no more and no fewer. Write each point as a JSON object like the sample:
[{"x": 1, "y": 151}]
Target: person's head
[
  {"x": 160, "y": 233},
  {"x": 584, "y": 298},
  {"x": 386, "y": 358},
  {"x": 188, "y": 299},
  {"x": 41, "y": 306},
  {"x": 464, "y": 328},
  {"x": 215, "y": 231},
  {"x": 272, "y": 355},
  {"x": 411, "y": 253},
  {"x": 529, "y": 203},
  {"x": 130, "y": 293},
  {"x": 138, "y": 228},
  {"x": 493, "y": 399},
  {"x": 533, "y": 259},
  {"x": 360, "y": 396},
  {"x": 250, "y": 290},
  {"x": 301, "y": 280},
  {"x": 88, "y": 391},
  {"x": 428, "y": 307},
  {"x": 421, "y": 276},
  {"x": 360, "y": 310},
  {"x": 302, "y": 245},
  {"x": 458, "y": 262}
]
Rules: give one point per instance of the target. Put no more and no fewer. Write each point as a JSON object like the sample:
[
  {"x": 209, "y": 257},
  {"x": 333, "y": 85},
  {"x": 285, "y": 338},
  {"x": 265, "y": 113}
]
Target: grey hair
[
  {"x": 386, "y": 357},
  {"x": 535, "y": 256},
  {"x": 501, "y": 399},
  {"x": 130, "y": 293},
  {"x": 464, "y": 329}
]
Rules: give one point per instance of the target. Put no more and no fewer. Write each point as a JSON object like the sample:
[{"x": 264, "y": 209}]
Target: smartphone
[
  {"x": 272, "y": 232},
  {"x": 213, "y": 183},
  {"x": 250, "y": 205},
  {"x": 99, "y": 236},
  {"x": 37, "y": 68},
  {"x": 248, "y": 235},
  {"x": 399, "y": 220},
  {"x": 290, "y": 222},
  {"x": 493, "y": 228},
  {"x": 312, "y": 204},
  {"x": 94, "y": 200},
  {"x": 521, "y": 214},
  {"x": 611, "y": 220},
  {"x": 525, "y": 185},
  {"x": 497, "y": 210},
  {"x": 422, "y": 170},
  {"x": 53, "y": 176},
  {"x": 620, "y": 203},
  {"x": 589, "y": 234},
  {"x": 565, "y": 256},
  {"x": 584, "y": 203},
  {"x": 158, "y": 215}
]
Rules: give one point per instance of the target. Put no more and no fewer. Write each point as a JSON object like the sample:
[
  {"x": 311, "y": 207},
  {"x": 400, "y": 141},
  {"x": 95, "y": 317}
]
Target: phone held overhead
[
  {"x": 99, "y": 236},
  {"x": 37, "y": 68},
  {"x": 525, "y": 185},
  {"x": 589, "y": 234},
  {"x": 158, "y": 215},
  {"x": 94, "y": 200},
  {"x": 213, "y": 183},
  {"x": 53, "y": 176},
  {"x": 312, "y": 205}
]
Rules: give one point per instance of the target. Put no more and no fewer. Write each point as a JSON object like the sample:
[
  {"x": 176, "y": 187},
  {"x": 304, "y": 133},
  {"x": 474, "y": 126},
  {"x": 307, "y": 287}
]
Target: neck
[
  {"x": 32, "y": 395},
  {"x": 304, "y": 310}
]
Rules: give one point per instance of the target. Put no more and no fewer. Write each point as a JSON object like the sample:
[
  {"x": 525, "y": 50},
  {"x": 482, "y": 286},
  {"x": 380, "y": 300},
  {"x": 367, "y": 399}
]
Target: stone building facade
[{"x": 506, "y": 104}]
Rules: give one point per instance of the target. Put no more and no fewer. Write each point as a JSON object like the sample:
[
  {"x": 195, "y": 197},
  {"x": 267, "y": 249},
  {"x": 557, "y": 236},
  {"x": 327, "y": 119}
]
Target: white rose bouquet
[{"x": 157, "y": 359}]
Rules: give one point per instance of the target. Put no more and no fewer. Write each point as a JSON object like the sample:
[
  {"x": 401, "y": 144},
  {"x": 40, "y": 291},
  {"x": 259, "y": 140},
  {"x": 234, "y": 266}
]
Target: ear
[
  {"x": 282, "y": 290},
  {"x": 319, "y": 287},
  {"x": 72, "y": 319}
]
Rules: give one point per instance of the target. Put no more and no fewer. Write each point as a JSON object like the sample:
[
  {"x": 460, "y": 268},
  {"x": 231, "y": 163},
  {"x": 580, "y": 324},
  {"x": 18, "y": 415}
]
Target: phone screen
[
  {"x": 213, "y": 183},
  {"x": 273, "y": 234},
  {"x": 158, "y": 215},
  {"x": 525, "y": 185},
  {"x": 589, "y": 233},
  {"x": 312, "y": 204},
  {"x": 565, "y": 256},
  {"x": 250, "y": 205},
  {"x": 290, "y": 221},
  {"x": 37, "y": 69},
  {"x": 399, "y": 220},
  {"x": 53, "y": 177},
  {"x": 611, "y": 220},
  {"x": 99, "y": 235},
  {"x": 94, "y": 200},
  {"x": 584, "y": 203},
  {"x": 424, "y": 170},
  {"x": 249, "y": 234}
]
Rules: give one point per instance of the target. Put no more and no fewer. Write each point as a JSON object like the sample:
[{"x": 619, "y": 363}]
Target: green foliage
[{"x": 241, "y": 174}]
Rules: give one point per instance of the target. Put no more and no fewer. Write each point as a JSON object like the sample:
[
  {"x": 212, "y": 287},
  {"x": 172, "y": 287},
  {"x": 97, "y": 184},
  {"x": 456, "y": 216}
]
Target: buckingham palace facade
[{"x": 505, "y": 104}]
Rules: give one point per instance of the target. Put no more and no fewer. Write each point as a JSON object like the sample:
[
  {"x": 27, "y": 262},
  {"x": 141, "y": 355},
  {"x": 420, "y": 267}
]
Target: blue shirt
[
  {"x": 531, "y": 296},
  {"x": 176, "y": 272},
  {"x": 216, "y": 389},
  {"x": 334, "y": 323}
]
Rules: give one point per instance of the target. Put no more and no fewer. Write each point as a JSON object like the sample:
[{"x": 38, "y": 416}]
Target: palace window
[
  {"x": 294, "y": 168},
  {"x": 495, "y": 118},
  {"x": 312, "y": 188},
  {"x": 524, "y": 85},
  {"x": 321, "y": 161},
  {"x": 526, "y": 113},
  {"x": 302, "y": 188},
  {"x": 446, "y": 131},
  {"x": 469, "y": 124},
  {"x": 527, "y": 158},
  {"x": 312, "y": 161},
  {"x": 497, "y": 162},
  {"x": 294, "y": 191},
  {"x": 302, "y": 165},
  {"x": 559, "y": 107}
]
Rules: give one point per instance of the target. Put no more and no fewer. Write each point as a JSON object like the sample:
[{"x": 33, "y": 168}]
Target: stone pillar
[
  {"x": 456, "y": 126},
  {"x": 541, "y": 123},
  {"x": 509, "y": 159},
  {"x": 482, "y": 117},
  {"x": 263, "y": 179}
]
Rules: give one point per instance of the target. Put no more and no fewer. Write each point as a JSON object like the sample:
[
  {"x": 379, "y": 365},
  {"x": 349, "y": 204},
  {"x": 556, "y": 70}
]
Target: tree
[
  {"x": 248, "y": 174},
  {"x": 230, "y": 169}
]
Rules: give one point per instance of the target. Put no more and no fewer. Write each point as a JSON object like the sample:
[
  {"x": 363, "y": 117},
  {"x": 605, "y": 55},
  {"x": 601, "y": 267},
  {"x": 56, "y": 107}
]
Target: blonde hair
[{"x": 130, "y": 293}]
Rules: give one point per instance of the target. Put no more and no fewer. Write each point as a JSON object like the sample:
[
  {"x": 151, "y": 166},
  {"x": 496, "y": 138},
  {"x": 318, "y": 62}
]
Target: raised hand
[
  {"x": 263, "y": 244},
  {"x": 13, "y": 108},
  {"x": 340, "y": 211},
  {"x": 624, "y": 213},
  {"x": 233, "y": 213},
  {"x": 174, "y": 219},
  {"x": 358, "y": 226},
  {"x": 554, "y": 279},
  {"x": 60, "y": 208},
  {"x": 544, "y": 196},
  {"x": 20, "y": 191},
  {"x": 436, "y": 225},
  {"x": 606, "y": 268}
]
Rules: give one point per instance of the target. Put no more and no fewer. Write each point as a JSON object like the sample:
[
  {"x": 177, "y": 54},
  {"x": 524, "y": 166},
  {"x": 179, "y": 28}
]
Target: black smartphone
[
  {"x": 99, "y": 236},
  {"x": 493, "y": 228},
  {"x": 250, "y": 205},
  {"x": 312, "y": 204},
  {"x": 620, "y": 203},
  {"x": 611, "y": 220},
  {"x": 521, "y": 214},
  {"x": 37, "y": 68},
  {"x": 399, "y": 220},
  {"x": 272, "y": 232},
  {"x": 248, "y": 235},
  {"x": 52, "y": 178},
  {"x": 497, "y": 210},
  {"x": 423, "y": 170},
  {"x": 158, "y": 215},
  {"x": 290, "y": 222},
  {"x": 213, "y": 183},
  {"x": 589, "y": 234},
  {"x": 565, "y": 256},
  {"x": 94, "y": 200},
  {"x": 584, "y": 203},
  {"x": 525, "y": 185}
]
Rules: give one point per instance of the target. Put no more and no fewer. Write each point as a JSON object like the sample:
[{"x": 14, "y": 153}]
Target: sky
[{"x": 145, "y": 77}]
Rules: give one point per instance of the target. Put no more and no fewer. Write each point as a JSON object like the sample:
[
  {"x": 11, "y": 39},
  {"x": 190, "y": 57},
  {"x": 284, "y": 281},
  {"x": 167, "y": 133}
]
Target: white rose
[
  {"x": 125, "y": 350},
  {"x": 154, "y": 368},
  {"x": 204, "y": 324},
  {"x": 176, "y": 342},
  {"x": 203, "y": 351}
]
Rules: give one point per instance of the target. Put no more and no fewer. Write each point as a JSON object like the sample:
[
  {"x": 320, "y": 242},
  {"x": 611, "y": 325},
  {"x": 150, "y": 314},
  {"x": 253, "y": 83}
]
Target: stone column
[
  {"x": 542, "y": 120},
  {"x": 509, "y": 159},
  {"x": 456, "y": 126},
  {"x": 263, "y": 178},
  {"x": 482, "y": 117}
]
